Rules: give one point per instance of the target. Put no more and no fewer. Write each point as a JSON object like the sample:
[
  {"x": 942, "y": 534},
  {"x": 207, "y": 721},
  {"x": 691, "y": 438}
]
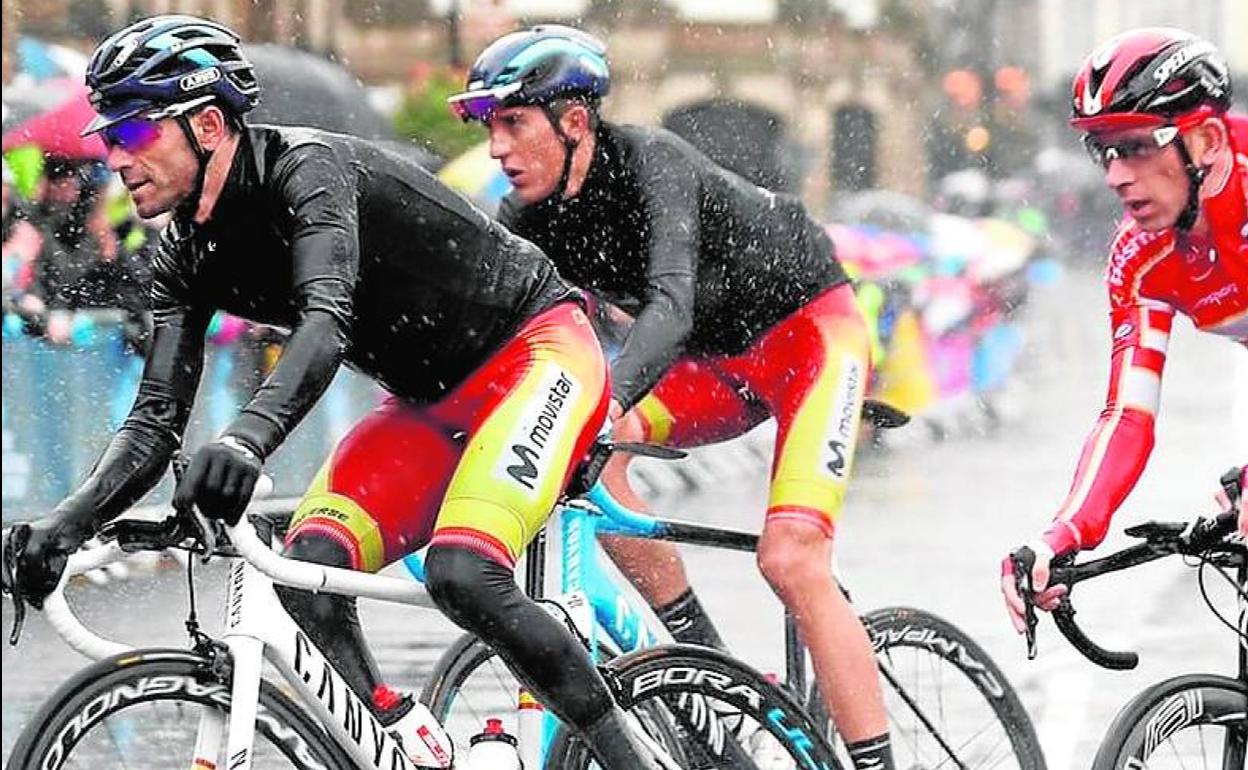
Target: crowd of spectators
[{"x": 74, "y": 249}]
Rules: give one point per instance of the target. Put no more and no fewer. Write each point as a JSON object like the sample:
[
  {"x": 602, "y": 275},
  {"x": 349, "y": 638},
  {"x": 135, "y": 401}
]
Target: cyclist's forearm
[
  {"x": 653, "y": 343},
  {"x": 1111, "y": 463},
  {"x": 130, "y": 467},
  {"x": 305, "y": 370}
]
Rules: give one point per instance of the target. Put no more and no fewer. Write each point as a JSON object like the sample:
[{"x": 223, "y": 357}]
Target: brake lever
[
  {"x": 656, "y": 451},
  {"x": 1024, "y": 559},
  {"x": 1231, "y": 484},
  {"x": 133, "y": 535},
  {"x": 14, "y": 546},
  {"x": 202, "y": 530}
]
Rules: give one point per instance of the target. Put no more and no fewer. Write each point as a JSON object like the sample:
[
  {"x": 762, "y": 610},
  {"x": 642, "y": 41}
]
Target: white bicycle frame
[{"x": 257, "y": 627}]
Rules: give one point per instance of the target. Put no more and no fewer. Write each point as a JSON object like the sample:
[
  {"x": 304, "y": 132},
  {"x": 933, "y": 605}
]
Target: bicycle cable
[
  {"x": 192, "y": 620},
  {"x": 561, "y": 613},
  {"x": 1239, "y": 590}
]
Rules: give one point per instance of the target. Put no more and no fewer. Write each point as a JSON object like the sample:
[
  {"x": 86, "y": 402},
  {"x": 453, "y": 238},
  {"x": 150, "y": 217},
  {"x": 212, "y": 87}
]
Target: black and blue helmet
[
  {"x": 166, "y": 66},
  {"x": 535, "y": 66}
]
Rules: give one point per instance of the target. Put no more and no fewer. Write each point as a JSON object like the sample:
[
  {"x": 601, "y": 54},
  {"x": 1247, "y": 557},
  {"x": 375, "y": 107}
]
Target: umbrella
[
  {"x": 885, "y": 209},
  {"x": 298, "y": 88},
  {"x": 56, "y": 130},
  {"x": 41, "y": 60},
  {"x": 23, "y": 101}
]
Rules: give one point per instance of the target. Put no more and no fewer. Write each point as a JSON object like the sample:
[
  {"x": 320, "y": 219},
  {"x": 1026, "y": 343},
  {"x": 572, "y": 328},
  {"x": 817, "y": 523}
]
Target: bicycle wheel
[
  {"x": 948, "y": 703},
  {"x": 1198, "y": 721},
  {"x": 724, "y": 708},
  {"x": 470, "y": 684},
  {"x": 141, "y": 710}
]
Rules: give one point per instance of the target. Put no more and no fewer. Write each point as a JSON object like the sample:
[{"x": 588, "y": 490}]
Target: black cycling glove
[
  {"x": 40, "y": 550},
  {"x": 220, "y": 479}
]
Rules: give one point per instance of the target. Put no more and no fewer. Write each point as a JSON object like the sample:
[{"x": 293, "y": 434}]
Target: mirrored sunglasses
[
  {"x": 1129, "y": 148},
  {"x": 131, "y": 134}
]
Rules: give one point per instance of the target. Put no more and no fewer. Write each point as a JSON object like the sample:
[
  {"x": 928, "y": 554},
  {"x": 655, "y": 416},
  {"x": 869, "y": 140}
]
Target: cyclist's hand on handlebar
[
  {"x": 626, "y": 425},
  {"x": 220, "y": 479},
  {"x": 1241, "y": 505},
  {"x": 1042, "y": 595},
  {"x": 39, "y": 552}
]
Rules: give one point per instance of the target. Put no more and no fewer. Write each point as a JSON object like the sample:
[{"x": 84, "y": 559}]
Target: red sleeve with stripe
[{"x": 1116, "y": 451}]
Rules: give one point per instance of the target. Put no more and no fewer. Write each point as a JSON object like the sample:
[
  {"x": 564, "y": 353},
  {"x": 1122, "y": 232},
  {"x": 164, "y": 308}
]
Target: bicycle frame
[
  {"x": 583, "y": 574},
  {"x": 257, "y": 627},
  {"x": 591, "y": 598}
]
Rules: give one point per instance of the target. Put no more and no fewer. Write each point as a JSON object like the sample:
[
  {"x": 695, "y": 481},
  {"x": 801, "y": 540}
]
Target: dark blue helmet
[
  {"x": 534, "y": 67},
  {"x": 166, "y": 66}
]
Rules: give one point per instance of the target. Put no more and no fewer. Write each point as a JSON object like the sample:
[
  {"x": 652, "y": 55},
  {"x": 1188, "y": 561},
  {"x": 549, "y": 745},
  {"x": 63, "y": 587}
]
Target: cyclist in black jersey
[
  {"x": 740, "y": 311},
  {"x": 370, "y": 261}
]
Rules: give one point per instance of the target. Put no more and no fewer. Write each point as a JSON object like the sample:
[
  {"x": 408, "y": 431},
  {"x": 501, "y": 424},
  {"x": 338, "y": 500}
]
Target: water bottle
[{"x": 493, "y": 749}]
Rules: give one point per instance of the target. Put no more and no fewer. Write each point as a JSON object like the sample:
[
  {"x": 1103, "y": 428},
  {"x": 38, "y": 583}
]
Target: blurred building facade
[
  {"x": 820, "y": 67},
  {"x": 1070, "y": 29}
]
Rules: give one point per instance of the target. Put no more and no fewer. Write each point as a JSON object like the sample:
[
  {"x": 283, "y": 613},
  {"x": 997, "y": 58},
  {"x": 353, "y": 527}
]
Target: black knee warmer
[
  {"x": 330, "y": 620},
  {"x": 481, "y": 596}
]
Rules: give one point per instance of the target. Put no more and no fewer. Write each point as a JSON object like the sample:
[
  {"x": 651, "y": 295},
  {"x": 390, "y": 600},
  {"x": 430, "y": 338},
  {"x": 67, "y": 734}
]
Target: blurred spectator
[
  {"x": 25, "y": 247},
  {"x": 93, "y": 261}
]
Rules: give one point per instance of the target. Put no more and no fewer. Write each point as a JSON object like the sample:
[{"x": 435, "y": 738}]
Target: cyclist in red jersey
[{"x": 1152, "y": 104}]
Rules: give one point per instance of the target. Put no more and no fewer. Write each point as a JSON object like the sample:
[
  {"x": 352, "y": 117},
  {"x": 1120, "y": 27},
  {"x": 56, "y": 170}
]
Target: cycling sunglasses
[
  {"x": 480, "y": 105},
  {"x": 1129, "y": 148},
  {"x": 132, "y": 134}
]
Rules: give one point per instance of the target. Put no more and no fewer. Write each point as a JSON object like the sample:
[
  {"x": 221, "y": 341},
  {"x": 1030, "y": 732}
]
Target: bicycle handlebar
[
  {"x": 123, "y": 537},
  {"x": 318, "y": 577},
  {"x": 1162, "y": 539}
]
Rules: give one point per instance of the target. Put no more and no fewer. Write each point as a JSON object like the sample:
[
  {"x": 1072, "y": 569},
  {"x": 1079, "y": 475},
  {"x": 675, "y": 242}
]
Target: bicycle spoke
[{"x": 940, "y": 715}]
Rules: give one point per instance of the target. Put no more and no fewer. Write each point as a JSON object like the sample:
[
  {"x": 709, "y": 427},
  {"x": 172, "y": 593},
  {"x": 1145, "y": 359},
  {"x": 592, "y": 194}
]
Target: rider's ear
[
  {"x": 211, "y": 127},
  {"x": 576, "y": 122},
  {"x": 1213, "y": 140}
]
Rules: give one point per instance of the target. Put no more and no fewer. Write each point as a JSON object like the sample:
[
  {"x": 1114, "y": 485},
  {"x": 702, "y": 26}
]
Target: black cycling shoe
[{"x": 614, "y": 744}]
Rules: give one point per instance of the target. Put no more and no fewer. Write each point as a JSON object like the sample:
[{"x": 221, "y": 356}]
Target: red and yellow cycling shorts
[
  {"x": 810, "y": 372},
  {"x": 480, "y": 469}
]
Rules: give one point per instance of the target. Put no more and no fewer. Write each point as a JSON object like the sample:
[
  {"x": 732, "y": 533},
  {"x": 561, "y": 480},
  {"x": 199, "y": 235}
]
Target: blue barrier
[{"x": 62, "y": 403}]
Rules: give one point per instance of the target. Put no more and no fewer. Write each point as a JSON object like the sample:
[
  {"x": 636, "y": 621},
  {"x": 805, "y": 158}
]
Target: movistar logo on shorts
[
  {"x": 844, "y": 419},
  {"x": 540, "y": 429}
]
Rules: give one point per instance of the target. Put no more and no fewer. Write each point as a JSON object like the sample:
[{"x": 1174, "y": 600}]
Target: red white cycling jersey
[{"x": 1151, "y": 276}]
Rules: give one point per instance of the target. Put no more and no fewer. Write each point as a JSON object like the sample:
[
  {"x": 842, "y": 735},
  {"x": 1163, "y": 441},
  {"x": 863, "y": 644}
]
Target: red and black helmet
[{"x": 1150, "y": 77}]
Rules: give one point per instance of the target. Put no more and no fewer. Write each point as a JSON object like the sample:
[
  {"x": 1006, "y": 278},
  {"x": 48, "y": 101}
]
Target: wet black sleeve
[
  {"x": 670, "y": 186},
  {"x": 315, "y": 194},
  {"x": 137, "y": 457}
]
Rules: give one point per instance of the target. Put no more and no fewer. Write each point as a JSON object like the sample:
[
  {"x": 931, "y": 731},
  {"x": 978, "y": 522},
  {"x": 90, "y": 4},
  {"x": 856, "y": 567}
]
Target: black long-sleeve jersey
[
  {"x": 363, "y": 255},
  {"x": 703, "y": 259}
]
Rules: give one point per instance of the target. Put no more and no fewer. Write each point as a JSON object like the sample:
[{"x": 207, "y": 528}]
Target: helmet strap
[
  {"x": 1195, "y": 177},
  {"x": 569, "y": 149},
  {"x": 203, "y": 156}
]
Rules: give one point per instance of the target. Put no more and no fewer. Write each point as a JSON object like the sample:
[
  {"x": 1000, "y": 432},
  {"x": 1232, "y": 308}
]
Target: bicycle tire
[
  {"x": 736, "y": 696},
  {"x": 1167, "y": 725},
  {"x": 469, "y": 684},
  {"x": 100, "y": 695},
  {"x": 915, "y": 647}
]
